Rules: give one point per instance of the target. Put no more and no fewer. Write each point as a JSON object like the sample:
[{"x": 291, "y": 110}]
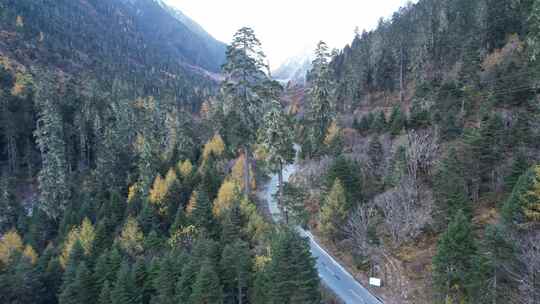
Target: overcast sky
[{"x": 287, "y": 28}]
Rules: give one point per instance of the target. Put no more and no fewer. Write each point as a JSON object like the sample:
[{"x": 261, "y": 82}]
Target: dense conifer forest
[{"x": 134, "y": 148}]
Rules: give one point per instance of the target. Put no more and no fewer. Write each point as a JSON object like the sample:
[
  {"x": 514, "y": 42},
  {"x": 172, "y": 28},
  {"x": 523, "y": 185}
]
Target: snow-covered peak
[{"x": 295, "y": 68}]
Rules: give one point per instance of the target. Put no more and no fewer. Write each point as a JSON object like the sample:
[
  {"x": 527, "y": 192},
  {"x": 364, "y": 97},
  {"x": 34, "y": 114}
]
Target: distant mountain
[
  {"x": 294, "y": 69},
  {"x": 110, "y": 37},
  {"x": 178, "y": 34}
]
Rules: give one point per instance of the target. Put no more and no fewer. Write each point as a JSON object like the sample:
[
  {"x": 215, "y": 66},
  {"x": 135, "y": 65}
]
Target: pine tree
[
  {"x": 454, "y": 262},
  {"x": 321, "y": 108},
  {"x": 334, "y": 212},
  {"x": 207, "y": 288}
]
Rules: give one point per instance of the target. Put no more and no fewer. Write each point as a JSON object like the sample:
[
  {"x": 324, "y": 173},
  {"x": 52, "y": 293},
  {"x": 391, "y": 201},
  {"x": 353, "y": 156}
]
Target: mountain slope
[{"x": 119, "y": 36}]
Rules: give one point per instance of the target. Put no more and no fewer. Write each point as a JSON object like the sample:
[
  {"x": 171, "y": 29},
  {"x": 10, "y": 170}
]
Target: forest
[{"x": 131, "y": 168}]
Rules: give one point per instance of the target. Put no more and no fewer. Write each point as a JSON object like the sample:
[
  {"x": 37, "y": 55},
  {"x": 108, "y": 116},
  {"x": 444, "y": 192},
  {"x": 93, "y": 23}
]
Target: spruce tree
[
  {"x": 348, "y": 173},
  {"x": 184, "y": 286},
  {"x": 450, "y": 189},
  {"x": 292, "y": 276},
  {"x": 201, "y": 212},
  {"x": 520, "y": 165},
  {"x": 105, "y": 294},
  {"x": 500, "y": 254},
  {"x": 235, "y": 268},
  {"x": 124, "y": 291},
  {"x": 165, "y": 282},
  {"x": 321, "y": 108},
  {"x": 277, "y": 138},
  {"x": 379, "y": 123},
  {"x": 207, "y": 288},
  {"x": 454, "y": 261},
  {"x": 397, "y": 121}
]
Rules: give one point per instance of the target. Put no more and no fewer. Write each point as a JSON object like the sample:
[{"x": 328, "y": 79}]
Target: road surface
[{"x": 333, "y": 275}]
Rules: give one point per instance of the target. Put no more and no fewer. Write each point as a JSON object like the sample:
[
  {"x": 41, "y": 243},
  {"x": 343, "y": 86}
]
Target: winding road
[{"x": 331, "y": 272}]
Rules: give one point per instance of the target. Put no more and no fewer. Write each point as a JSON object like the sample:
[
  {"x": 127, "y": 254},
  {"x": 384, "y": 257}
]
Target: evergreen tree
[
  {"x": 321, "y": 108},
  {"x": 520, "y": 165},
  {"x": 184, "y": 286},
  {"x": 499, "y": 253},
  {"x": 53, "y": 176},
  {"x": 147, "y": 218},
  {"x": 292, "y": 274},
  {"x": 397, "y": 121},
  {"x": 379, "y": 123},
  {"x": 277, "y": 138},
  {"x": 521, "y": 206},
  {"x": 454, "y": 262},
  {"x": 142, "y": 281},
  {"x": 241, "y": 90},
  {"x": 11, "y": 209},
  {"x": 124, "y": 291},
  {"x": 450, "y": 189},
  {"x": 207, "y": 288},
  {"x": 165, "y": 282},
  {"x": 235, "y": 268},
  {"x": 81, "y": 289},
  {"x": 105, "y": 294},
  {"x": 201, "y": 212},
  {"x": 348, "y": 173}
]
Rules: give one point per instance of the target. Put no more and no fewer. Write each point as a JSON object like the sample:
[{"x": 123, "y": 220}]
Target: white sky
[{"x": 288, "y": 28}]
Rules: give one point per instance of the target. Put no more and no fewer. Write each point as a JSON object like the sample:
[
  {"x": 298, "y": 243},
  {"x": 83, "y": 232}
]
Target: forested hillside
[
  {"x": 121, "y": 180},
  {"x": 130, "y": 169},
  {"x": 422, "y": 136}
]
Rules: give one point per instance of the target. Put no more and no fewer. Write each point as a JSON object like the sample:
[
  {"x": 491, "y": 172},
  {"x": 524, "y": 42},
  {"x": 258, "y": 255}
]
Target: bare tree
[
  {"x": 422, "y": 151},
  {"x": 357, "y": 228},
  {"x": 529, "y": 274},
  {"x": 406, "y": 209}
]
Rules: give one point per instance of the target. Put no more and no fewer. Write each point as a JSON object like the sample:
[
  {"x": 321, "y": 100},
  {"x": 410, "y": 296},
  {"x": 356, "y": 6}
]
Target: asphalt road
[{"x": 333, "y": 275}]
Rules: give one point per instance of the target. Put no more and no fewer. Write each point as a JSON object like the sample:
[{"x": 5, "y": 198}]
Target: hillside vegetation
[{"x": 428, "y": 152}]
